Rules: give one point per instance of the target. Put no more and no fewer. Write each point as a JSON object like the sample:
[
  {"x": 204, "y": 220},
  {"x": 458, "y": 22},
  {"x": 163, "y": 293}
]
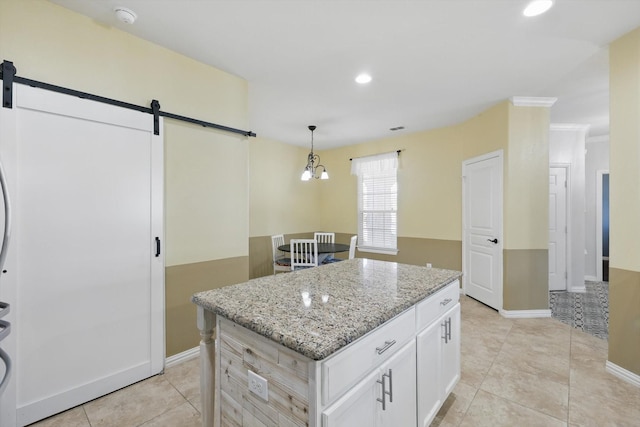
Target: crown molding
[
  {"x": 569, "y": 127},
  {"x": 532, "y": 101}
]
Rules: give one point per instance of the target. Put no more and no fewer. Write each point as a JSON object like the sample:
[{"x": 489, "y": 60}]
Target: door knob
[{"x": 493, "y": 241}]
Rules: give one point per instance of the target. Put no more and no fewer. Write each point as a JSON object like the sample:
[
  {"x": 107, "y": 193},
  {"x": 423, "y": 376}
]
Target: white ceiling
[{"x": 434, "y": 62}]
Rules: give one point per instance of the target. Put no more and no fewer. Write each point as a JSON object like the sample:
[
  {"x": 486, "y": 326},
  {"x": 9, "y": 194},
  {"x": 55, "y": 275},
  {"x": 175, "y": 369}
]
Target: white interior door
[
  {"x": 86, "y": 285},
  {"x": 557, "y": 229},
  {"x": 482, "y": 228}
]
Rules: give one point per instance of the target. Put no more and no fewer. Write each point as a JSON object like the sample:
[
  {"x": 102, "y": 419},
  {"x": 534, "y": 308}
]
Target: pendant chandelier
[{"x": 313, "y": 163}]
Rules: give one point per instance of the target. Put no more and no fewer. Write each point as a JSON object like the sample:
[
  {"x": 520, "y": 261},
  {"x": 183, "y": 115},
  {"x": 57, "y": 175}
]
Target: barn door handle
[
  {"x": 157, "y": 247},
  {"x": 493, "y": 241}
]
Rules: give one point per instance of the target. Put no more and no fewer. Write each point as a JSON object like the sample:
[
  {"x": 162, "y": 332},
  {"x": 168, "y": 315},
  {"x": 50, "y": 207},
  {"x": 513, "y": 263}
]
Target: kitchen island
[{"x": 359, "y": 342}]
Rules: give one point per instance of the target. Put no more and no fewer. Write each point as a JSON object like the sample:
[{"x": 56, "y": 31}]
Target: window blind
[{"x": 377, "y": 202}]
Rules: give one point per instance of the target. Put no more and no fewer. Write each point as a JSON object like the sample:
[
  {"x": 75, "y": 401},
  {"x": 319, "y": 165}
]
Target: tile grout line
[
  {"x": 167, "y": 409},
  {"x": 513, "y": 323},
  {"x": 523, "y": 406},
  {"x": 181, "y": 394},
  {"x": 84, "y": 411},
  {"x": 485, "y": 375}
]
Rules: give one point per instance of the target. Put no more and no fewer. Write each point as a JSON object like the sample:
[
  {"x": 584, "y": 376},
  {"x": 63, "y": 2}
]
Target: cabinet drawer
[
  {"x": 434, "y": 305},
  {"x": 344, "y": 369}
]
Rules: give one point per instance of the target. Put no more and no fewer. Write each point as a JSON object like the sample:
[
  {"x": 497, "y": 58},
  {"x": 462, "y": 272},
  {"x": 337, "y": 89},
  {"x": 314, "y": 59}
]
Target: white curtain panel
[{"x": 379, "y": 163}]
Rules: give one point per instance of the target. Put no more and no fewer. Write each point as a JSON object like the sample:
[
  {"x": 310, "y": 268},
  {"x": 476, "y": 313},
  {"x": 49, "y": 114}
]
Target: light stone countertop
[{"x": 317, "y": 311}]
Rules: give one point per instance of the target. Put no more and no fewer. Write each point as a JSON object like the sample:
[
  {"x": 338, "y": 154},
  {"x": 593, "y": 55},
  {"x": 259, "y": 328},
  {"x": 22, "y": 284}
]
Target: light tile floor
[{"x": 515, "y": 372}]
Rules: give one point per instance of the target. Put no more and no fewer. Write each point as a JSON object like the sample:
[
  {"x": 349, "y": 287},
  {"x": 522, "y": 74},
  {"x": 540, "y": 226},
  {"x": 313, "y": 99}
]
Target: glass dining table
[{"x": 324, "y": 250}]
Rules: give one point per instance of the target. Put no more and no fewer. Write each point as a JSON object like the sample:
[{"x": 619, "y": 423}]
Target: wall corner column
[
  {"x": 526, "y": 205},
  {"x": 624, "y": 262}
]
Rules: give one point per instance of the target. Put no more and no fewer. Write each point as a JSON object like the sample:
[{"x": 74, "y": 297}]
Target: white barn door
[
  {"x": 83, "y": 277},
  {"x": 482, "y": 228}
]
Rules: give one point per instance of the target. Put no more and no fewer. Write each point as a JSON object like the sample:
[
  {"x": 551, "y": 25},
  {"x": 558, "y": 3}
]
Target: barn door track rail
[{"x": 8, "y": 76}]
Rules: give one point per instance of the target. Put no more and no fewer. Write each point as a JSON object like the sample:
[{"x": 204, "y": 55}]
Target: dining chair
[
  {"x": 322, "y": 237},
  {"x": 304, "y": 253},
  {"x": 352, "y": 247},
  {"x": 280, "y": 261},
  {"x": 352, "y": 252}
]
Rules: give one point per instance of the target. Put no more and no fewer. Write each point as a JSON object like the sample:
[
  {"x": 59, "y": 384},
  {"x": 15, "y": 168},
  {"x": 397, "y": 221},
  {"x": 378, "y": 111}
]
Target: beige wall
[
  {"x": 486, "y": 132},
  {"x": 624, "y": 167},
  {"x": 206, "y": 184},
  {"x": 429, "y": 184},
  {"x": 625, "y": 152},
  {"x": 280, "y": 203},
  {"x": 184, "y": 281},
  {"x": 526, "y": 190}
]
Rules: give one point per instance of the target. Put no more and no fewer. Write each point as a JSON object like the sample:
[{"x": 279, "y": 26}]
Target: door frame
[
  {"x": 599, "y": 175},
  {"x": 498, "y": 274},
  {"x": 567, "y": 221}
]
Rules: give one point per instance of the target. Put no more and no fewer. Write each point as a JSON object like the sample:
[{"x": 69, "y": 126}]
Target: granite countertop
[{"x": 317, "y": 311}]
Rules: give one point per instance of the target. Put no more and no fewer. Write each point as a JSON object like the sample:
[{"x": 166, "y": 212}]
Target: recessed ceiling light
[
  {"x": 363, "y": 78},
  {"x": 537, "y": 7}
]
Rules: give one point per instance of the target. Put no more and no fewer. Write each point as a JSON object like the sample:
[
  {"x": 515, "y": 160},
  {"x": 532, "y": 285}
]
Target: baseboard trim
[
  {"x": 623, "y": 374},
  {"x": 591, "y": 278},
  {"x": 524, "y": 314},
  {"x": 578, "y": 289},
  {"x": 179, "y": 358}
]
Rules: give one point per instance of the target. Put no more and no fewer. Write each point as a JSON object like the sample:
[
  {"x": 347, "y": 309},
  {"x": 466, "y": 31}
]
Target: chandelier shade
[{"x": 313, "y": 163}]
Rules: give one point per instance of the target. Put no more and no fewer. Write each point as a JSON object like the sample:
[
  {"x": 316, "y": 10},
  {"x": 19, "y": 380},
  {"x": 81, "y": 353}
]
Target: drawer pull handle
[
  {"x": 385, "y": 347},
  {"x": 446, "y": 301}
]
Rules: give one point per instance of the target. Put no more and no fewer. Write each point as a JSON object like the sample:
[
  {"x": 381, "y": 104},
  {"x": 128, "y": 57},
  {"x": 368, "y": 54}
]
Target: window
[{"x": 377, "y": 202}]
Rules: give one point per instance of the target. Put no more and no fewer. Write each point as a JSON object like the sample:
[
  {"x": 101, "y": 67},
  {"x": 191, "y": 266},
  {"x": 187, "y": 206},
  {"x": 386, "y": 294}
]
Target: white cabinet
[
  {"x": 417, "y": 370},
  {"x": 400, "y": 402},
  {"x": 386, "y": 397},
  {"x": 346, "y": 368},
  {"x": 438, "y": 363},
  {"x": 428, "y": 351},
  {"x": 450, "y": 368}
]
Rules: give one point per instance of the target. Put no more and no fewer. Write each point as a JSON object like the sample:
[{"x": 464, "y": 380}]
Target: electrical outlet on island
[{"x": 258, "y": 386}]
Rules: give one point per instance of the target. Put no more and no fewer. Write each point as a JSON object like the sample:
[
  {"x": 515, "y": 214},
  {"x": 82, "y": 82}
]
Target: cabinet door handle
[
  {"x": 385, "y": 347},
  {"x": 449, "y": 329},
  {"x": 390, "y": 385},
  {"x": 445, "y": 301},
  {"x": 384, "y": 393},
  {"x": 445, "y": 336}
]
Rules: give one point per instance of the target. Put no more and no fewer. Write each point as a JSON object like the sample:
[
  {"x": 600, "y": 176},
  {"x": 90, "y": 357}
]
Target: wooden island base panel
[{"x": 356, "y": 343}]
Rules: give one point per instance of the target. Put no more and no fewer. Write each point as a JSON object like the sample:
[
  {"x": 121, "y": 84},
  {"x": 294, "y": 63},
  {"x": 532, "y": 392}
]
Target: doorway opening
[{"x": 602, "y": 225}]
